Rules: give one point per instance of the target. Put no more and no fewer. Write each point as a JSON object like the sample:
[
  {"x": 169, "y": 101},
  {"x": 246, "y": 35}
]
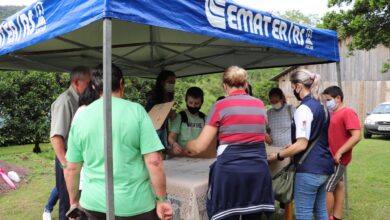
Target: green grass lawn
[
  {"x": 368, "y": 182},
  {"x": 28, "y": 201}
]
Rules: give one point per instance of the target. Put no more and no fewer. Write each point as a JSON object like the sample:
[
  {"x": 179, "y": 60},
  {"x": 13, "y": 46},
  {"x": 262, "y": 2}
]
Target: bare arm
[
  {"x": 59, "y": 148},
  {"x": 154, "y": 163},
  {"x": 176, "y": 148},
  {"x": 203, "y": 141},
  {"x": 72, "y": 178},
  {"x": 299, "y": 146},
  {"x": 356, "y": 136}
]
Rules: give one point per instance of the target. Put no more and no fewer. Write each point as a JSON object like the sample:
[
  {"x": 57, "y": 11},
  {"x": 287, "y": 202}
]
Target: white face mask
[
  {"x": 277, "y": 106},
  {"x": 169, "y": 87},
  {"x": 331, "y": 104}
]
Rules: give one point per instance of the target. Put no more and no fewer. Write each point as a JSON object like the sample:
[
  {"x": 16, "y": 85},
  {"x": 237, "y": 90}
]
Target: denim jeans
[
  {"x": 51, "y": 202},
  {"x": 310, "y": 196},
  {"x": 62, "y": 192}
]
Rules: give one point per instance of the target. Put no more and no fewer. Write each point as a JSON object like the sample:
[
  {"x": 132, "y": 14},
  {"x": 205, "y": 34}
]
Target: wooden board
[
  {"x": 211, "y": 151},
  {"x": 159, "y": 113}
]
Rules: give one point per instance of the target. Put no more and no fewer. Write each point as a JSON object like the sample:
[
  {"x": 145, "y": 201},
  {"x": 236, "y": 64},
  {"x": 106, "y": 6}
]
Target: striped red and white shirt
[{"x": 239, "y": 117}]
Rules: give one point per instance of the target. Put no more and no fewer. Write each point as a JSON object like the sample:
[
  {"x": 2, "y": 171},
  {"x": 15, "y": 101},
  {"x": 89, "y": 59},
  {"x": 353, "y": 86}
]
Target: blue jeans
[
  {"x": 62, "y": 192},
  {"x": 53, "y": 198},
  {"x": 310, "y": 196}
]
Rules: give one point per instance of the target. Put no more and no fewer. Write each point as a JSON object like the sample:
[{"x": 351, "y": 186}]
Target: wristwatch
[
  {"x": 164, "y": 199},
  {"x": 279, "y": 157}
]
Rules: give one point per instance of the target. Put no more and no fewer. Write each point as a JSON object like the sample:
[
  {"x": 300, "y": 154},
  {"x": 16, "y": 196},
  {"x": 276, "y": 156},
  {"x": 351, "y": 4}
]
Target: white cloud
[
  {"x": 18, "y": 2},
  {"x": 318, "y": 7}
]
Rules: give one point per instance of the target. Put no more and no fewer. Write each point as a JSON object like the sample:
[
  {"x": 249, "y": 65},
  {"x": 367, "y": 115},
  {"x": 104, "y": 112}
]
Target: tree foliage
[
  {"x": 368, "y": 22},
  {"x": 212, "y": 87},
  {"x": 25, "y": 100},
  {"x": 137, "y": 89},
  {"x": 296, "y": 16},
  {"x": 6, "y": 11}
]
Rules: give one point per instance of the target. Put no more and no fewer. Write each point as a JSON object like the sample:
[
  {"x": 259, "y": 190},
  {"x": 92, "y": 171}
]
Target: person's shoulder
[
  {"x": 348, "y": 110},
  {"x": 129, "y": 105},
  {"x": 270, "y": 111},
  {"x": 290, "y": 106},
  {"x": 65, "y": 97},
  {"x": 303, "y": 108}
]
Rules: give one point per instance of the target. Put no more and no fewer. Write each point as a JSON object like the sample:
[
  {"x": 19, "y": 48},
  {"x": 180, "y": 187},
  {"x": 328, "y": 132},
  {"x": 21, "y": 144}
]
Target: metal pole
[
  {"x": 107, "y": 109},
  {"x": 338, "y": 74},
  {"x": 345, "y": 174}
]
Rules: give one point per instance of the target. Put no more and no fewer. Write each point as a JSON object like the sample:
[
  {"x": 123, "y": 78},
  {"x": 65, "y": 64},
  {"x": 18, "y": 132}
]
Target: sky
[{"x": 318, "y": 7}]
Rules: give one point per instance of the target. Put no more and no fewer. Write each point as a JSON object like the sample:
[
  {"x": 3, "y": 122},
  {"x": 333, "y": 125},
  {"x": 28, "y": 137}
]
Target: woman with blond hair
[
  {"x": 239, "y": 180},
  {"x": 309, "y": 134}
]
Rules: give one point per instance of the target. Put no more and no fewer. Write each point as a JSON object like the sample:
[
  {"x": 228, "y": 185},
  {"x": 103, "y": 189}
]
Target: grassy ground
[
  {"x": 28, "y": 201},
  {"x": 368, "y": 178}
]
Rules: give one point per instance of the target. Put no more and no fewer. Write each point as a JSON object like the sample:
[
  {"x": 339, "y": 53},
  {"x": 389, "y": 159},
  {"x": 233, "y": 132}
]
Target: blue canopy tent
[{"x": 144, "y": 36}]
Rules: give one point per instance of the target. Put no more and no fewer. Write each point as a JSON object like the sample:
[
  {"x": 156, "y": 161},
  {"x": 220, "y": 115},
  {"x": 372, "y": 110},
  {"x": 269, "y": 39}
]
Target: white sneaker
[
  {"x": 281, "y": 211},
  {"x": 46, "y": 216}
]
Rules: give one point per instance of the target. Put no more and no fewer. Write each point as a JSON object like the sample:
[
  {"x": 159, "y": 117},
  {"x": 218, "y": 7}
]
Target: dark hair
[
  {"x": 79, "y": 72},
  {"x": 195, "y": 92},
  {"x": 248, "y": 90},
  {"x": 277, "y": 92},
  {"x": 334, "y": 91},
  {"x": 159, "y": 90},
  {"x": 88, "y": 96},
  {"x": 116, "y": 77}
]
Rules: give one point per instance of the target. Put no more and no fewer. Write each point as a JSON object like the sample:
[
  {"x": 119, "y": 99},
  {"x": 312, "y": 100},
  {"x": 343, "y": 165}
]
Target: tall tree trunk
[{"x": 37, "y": 149}]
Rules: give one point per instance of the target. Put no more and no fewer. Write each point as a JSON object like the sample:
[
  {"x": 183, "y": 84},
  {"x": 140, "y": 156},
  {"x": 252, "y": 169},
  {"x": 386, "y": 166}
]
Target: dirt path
[{"x": 21, "y": 171}]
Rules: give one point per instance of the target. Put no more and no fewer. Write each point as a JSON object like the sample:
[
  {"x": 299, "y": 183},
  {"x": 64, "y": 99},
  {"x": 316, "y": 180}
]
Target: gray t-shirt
[
  {"x": 62, "y": 112},
  {"x": 279, "y": 122}
]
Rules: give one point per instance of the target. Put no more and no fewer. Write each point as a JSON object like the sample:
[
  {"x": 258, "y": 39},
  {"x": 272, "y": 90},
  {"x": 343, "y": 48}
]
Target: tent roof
[{"x": 188, "y": 37}]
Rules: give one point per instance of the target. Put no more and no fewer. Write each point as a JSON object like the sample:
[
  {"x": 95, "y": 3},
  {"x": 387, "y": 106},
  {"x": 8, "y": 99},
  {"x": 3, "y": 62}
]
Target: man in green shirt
[
  {"x": 138, "y": 172},
  {"x": 188, "y": 124}
]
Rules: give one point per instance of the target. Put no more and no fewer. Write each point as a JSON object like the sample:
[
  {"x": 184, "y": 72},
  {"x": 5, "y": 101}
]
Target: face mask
[
  {"x": 331, "y": 104},
  {"x": 277, "y": 106},
  {"x": 169, "y": 87},
  {"x": 193, "y": 110},
  {"x": 297, "y": 95}
]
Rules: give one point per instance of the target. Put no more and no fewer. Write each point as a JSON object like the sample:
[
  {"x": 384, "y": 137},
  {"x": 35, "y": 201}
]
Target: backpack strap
[
  {"x": 202, "y": 116},
  {"x": 315, "y": 140},
  {"x": 184, "y": 118},
  {"x": 290, "y": 112}
]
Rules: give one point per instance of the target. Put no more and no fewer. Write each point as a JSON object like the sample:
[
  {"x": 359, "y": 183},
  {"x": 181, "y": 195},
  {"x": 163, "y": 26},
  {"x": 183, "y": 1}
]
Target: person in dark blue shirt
[{"x": 310, "y": 122}]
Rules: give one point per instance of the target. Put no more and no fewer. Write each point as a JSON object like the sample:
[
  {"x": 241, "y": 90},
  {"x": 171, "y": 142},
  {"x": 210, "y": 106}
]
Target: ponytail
[
  {"x": 310, "y": 80},
  {"x": 315, "y": 89}
]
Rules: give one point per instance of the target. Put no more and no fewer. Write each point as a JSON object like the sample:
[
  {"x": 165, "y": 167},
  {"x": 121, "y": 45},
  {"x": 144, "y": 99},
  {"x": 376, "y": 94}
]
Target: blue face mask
[{"x": 331, "y": 105}]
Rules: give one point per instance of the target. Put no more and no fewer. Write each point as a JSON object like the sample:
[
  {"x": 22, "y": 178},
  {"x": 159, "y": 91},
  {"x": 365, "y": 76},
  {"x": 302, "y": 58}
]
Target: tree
[
  {"x": 368, "y": 22},
  {"x": 6, "y": 11},
  {"x": 137, "y": 89},
  {"x": 296, "y": 16},
  {"x": 25, "y": 100}
]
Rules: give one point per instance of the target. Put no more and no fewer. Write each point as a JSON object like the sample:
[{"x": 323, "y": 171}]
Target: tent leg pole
[
  {"x": 107, "y": 109},
  {"x": 345, "y": 174}
]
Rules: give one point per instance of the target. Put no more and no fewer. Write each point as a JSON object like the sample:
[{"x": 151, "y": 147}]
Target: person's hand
[
  {"x": 268, "y": 139},
  {"x": 164, "y": 210},
  {"x": 337, "y": 157},
  {"x": 176, "y": 149},
  {"x": 73, "y": 206},
  {"x": 271, "y": 157}
]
